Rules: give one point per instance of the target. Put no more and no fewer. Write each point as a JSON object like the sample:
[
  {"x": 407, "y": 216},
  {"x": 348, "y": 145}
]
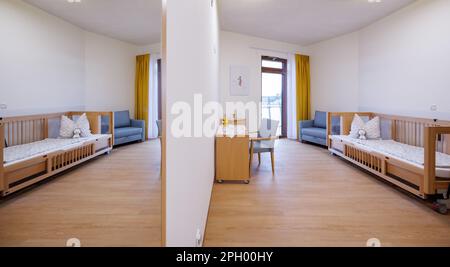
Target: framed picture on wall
[{"x": 239, "y": 80}]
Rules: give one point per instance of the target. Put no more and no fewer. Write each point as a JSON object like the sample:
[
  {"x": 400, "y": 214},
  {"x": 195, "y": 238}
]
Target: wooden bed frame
[
  {"x": 432, "y": 135},
  {"x": 28, "y": 129}
]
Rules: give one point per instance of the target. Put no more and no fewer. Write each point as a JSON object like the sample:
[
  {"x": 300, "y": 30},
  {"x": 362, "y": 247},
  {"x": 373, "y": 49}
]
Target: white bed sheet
[
  {"x": 15, "y": 154},
  {"x": 403, "y": 152}
]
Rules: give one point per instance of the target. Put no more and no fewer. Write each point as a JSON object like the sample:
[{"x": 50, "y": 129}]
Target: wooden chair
[{"x": 267, "y": 129}]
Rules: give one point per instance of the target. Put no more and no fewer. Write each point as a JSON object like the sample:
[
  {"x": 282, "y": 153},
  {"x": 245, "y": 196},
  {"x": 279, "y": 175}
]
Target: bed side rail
[
  {"x": 410, "y": 130},
  {"x": 61, "y": 160},
  {"x": 27, "y": 129},
  {"x": 431, "y": 136},
  {"x": 346, "y": 119}
]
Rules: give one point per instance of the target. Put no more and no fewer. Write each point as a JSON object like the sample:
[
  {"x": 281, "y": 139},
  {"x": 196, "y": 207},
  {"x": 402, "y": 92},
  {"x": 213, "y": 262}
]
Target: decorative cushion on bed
[
  {"x": 372, "y": 128},
  {"x": 68, "y": 127}
]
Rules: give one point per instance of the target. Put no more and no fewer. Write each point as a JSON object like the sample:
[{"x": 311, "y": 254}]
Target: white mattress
[
  {"x": 15, "y": 154},
  {"x": 407, "y": 153}
]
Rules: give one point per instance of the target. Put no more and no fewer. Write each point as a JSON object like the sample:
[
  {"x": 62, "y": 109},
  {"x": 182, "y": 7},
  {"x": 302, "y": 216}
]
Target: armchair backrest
[
  {"x": 320, "y": 119},
  {"x": 268, "y": 128},
  {"x": 122, "y": 119}
]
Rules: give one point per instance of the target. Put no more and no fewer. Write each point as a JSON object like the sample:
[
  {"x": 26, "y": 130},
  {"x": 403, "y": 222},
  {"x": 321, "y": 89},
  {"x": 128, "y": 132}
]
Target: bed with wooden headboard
[
  {"x": 24, "y": 131},
  {"x": 429, "y": 137}
]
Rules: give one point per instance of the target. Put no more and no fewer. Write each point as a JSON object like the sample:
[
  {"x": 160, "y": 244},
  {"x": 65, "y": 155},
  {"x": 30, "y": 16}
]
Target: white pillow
[
  {"x": 372, "y": 127},
  {"x": 68, "y": 127}
]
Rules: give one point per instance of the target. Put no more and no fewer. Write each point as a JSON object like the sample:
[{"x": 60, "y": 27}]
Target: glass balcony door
[{"x": 274, "y": 83}]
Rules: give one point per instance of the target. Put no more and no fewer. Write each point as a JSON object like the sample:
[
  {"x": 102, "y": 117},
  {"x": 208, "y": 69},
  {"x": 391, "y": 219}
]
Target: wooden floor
[
  {"x": 114, "y": 200},
  {"x": 318, "y": 200}
]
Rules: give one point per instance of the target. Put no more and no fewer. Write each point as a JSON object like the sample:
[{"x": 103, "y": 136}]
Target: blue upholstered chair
[
  {"x": 127, "y": 130},
  {"x": 315, "y": 131}
]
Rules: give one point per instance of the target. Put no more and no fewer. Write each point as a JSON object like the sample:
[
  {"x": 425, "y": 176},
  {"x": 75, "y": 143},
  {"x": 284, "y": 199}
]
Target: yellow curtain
[
  {"x": 141, "y": 92},
  {"x": 303, "y": 87}
]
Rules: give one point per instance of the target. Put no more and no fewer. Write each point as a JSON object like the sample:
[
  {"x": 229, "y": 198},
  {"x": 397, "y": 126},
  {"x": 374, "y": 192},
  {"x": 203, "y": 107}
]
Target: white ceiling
[
  {"x": 303, "y": 22},
  {"x": 134, "y": 21},
  {"x": 300, "y": 22}
]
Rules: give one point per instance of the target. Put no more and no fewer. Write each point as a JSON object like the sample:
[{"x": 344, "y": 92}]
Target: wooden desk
[{"x": 232, "y": 154}]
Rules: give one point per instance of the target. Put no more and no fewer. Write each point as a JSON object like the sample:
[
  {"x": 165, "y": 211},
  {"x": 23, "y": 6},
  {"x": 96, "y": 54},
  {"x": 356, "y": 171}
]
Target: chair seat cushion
[
  {"x": 262, "y": 150},
  {"x": 261, "y": 147},
  {"x": 126, "y": 131},
  {"x": 315, "y": 132}
]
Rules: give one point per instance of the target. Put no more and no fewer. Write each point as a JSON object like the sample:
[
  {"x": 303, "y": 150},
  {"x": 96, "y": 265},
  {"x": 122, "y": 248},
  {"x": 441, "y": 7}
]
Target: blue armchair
[
  {"x": 127, "y": 130},
  {"x": 315, "y": 131}
]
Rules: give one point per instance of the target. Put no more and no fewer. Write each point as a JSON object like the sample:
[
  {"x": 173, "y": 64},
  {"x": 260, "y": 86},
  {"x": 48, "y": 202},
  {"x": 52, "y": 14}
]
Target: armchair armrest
[
  {"x": 302, "y": 125},
  {"x": 139, "y": 124}
]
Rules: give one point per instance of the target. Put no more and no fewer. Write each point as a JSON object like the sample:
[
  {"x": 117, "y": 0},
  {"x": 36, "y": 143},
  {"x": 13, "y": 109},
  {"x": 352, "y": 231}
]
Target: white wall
[
  {"x": 41, "y": 61},
  {"x": 398, "y": 65},
  {"x": 335, "y": 74},
  {"x": 244, "y": 50},
  {"x": 110, "y": 73},
  {"x": 190, "y": 68},
  {"x": 405, "y": 61},
  {"x": 49, "y": 65},
  {"x": 152, "y": 49}
]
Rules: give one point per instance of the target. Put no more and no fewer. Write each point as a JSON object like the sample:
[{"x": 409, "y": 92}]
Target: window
[{"x": 272, "y": 64}]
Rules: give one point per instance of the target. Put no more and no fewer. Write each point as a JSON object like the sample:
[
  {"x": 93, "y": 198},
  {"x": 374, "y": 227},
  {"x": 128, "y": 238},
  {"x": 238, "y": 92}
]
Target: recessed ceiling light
[
  {"x": 374, "y": 1},
  {"x": 74, "y": 1}
]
